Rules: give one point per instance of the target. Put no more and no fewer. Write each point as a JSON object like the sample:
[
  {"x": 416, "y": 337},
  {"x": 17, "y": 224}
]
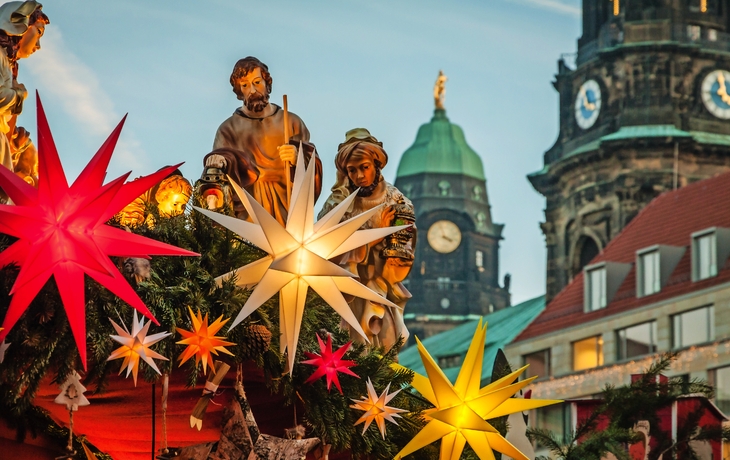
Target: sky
[{"x": 342, "y": 63}]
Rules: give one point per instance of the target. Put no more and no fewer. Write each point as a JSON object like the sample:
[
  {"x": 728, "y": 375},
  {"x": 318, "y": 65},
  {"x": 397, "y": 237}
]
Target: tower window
[{"x": 479, "y": 260}]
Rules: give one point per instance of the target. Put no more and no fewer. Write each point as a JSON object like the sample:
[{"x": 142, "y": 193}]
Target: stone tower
[
  {"x": 456, "y": 270},
  {"x": 644, "y": 108}
]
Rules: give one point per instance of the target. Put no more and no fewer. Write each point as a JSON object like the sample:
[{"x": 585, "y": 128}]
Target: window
[
  {"x": 636, "y": 340},
  {"x": 446, "y": 362},
  {"x": 539, "y": 362},
  {"x": 596, "y": 287},
  {"x": 649, "y": 273},
  {"x": 693, "y": 327},
  {"x": 704, "y": 250},
  {"x": 601, "y": 282},
  {"x": 588, "y": 353},
  {"x": 654, "y": 266},
  {"x": 554, "y": 418},
  {"x": 693, "y": 32},
  {"x": 710, "y": 250},
  {"x": 720, "y": 379},
  {"x": 479, "y": 259}
]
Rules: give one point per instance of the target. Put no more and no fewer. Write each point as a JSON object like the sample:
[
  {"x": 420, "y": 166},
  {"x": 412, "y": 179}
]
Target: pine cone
[{"x": 258, "y": 340}]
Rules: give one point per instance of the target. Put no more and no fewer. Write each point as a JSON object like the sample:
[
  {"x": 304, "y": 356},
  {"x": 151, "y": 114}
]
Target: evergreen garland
[{"x": 42, "y": 344}]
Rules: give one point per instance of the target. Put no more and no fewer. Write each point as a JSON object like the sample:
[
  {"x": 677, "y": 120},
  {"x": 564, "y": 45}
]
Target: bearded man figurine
[
  {"x": 250, "y": 143},
  {"x": 381, "y": 265}
]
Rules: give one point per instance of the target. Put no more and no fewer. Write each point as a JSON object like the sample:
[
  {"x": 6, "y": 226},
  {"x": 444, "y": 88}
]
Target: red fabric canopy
[{"x": 119, "y": 421}]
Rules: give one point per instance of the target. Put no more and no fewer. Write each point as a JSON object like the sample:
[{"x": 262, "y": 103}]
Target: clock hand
[
  {"x": 590, "y": 106},
  {"x": 722, "y": 90}
]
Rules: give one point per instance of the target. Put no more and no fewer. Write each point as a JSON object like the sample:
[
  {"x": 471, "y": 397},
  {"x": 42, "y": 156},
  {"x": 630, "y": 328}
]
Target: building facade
[
  {"x": 456, "y": 272},
  {"x": 663, "y": 284},
  {"x": 645, "y": 108}
]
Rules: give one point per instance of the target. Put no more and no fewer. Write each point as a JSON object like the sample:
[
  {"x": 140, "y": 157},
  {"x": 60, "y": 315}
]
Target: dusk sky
[{"x": 343, "y": 64}]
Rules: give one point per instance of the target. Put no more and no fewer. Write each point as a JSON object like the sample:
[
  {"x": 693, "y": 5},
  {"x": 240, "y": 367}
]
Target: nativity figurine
[
  {"x": 252, "y": 143},
  {"x": 381, "y": 265}
]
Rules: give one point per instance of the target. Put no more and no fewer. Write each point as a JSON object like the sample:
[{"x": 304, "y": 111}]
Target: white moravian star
[
  {"x": 298, "y": 256},
  {"x": 136, "y": 345}
]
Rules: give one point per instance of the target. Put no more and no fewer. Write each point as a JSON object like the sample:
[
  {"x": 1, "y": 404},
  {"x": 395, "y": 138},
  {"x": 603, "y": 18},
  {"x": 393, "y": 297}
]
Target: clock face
[
  {"x": 444, "y": 236},
  {"x": 588, "y": 104},
  {"x": 715, "y": 89}
]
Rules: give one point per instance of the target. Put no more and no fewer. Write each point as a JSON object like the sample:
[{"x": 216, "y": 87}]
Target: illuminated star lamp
[
  {"x": 376, "y": 408},
  {"x": 62, "y": 232},
  {"x": 329, "y": 363},
  {"x": 202, "y": 341},
  {"x": 136, "y": 345},
  {"x": 298, "y": 256},
  {"x": 461, "y": 409}
]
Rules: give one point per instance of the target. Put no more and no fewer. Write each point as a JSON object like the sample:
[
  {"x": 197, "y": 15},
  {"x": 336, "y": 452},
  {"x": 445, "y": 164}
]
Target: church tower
[
  {"x": 456, "y": 269},
  {"x": 644, "y": 108}
]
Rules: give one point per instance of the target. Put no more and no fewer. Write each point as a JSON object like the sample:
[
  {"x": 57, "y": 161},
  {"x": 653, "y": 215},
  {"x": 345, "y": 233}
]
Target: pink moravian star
[
  {"x": 62, "y": 232},
  {"x": 329, "y": 363}
]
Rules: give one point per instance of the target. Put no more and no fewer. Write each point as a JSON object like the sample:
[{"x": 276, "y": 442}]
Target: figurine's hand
[
  {"x": 396, "y": 269},
  {"x": 216, "y": 161},
  {"x": 288, "y": 153},
  {"x": 20, "y": 137},
  {"x": 386, "y": 218},
  {"x": 21, "y": 89}
]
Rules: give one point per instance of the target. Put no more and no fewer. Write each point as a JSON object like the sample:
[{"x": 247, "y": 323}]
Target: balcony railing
[{"x": 613, "y": 34}]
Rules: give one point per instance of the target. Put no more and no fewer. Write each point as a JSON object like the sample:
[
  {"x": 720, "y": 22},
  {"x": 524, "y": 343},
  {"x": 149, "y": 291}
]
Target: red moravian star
[
  {"x": 329, "y": 363},
  {"x": 62, "y": 232}
]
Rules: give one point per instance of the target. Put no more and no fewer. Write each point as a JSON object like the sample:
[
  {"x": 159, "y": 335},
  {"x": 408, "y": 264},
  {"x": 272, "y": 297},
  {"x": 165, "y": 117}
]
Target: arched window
[{"x": 588, "y": 250}]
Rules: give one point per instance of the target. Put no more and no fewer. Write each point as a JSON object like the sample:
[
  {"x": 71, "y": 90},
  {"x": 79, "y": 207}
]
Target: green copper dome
[{"x": 440, "y": 147}]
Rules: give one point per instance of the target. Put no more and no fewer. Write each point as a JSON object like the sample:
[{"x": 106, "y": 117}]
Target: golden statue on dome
[{"x": 439, "y": 90}]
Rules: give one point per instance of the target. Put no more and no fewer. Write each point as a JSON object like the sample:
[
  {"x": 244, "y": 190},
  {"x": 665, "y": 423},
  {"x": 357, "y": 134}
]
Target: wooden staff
[{"x": 287, "y": 165}]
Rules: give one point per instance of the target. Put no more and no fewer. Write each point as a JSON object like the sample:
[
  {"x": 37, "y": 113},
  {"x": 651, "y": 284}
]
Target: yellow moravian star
[{"x": 461, "y": 410}]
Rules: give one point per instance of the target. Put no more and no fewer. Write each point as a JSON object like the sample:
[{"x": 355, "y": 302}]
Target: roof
[
  {"x": 643, "y": 132},
  {"x": 440, "y": 147},
  {"x": 502, "y": 327},
  {"x": 670, "y": 219}
]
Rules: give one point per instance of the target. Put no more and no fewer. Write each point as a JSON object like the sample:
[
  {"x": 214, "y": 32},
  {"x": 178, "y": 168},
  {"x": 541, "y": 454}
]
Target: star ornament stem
[
  {"x": 62, "y": 232},
  {"x": 461, "y": 410},
  {"x": 298, "y": 256}
]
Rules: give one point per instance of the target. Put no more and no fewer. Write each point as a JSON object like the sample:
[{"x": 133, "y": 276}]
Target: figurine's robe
[
  {"x": 10, "y": 104},
  {"x": 382, "y": 324},
  {"x": 260, "y": 137}
]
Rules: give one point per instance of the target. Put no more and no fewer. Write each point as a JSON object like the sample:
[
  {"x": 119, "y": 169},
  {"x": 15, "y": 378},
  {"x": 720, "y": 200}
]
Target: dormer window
[
  {"x": 596, "y": 288},
  {"x": 601, "y": 282},
  {"x": 710, "y": 250},
  {"x": 654, "y": 266},
  {"x": 648, "y": 266}
]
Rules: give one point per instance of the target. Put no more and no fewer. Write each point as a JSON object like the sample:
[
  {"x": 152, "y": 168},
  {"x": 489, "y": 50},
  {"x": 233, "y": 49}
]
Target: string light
[
  {"x": 703, "y": 6},
  {"x": 617, "y": 7},
  {"x": 594, "y": 381}
]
